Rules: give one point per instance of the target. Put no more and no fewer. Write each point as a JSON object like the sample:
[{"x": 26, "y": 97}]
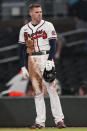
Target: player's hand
[
  {"x": 49, "y": 65},
  {"x": 25, "y": 73}
]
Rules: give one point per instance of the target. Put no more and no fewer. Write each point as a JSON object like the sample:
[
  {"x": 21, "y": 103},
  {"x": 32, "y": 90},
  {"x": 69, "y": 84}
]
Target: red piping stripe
[
  {"x": 40, "y": 25},
  {"x": 52, "y": 37},
  {"x": 36, "y": 30},
  {"x": 30, "y": 28},
  {"x": 37, "y": 38}
]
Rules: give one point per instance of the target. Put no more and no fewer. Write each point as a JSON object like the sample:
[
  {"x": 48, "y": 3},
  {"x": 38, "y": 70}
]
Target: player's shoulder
[
  {"x": 48, "y": 23},
  {"x": 24, "y": 27}
]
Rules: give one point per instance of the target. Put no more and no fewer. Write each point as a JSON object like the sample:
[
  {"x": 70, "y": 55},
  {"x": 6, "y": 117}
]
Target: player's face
[{"x": 36, "y": 15}]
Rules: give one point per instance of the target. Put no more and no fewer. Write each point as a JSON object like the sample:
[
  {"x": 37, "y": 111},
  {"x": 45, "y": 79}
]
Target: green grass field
[{"x": 46, "y": 129}]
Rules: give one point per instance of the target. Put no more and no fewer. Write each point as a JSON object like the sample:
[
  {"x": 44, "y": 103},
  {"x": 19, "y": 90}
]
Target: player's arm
[
  {"x": 22, "y": 54},
  {"x": 49, "y": 74},
  {"x": 52, "y": 43},
  {"x": 52, "y": 36},
  {"x": 50, "y": 63}
]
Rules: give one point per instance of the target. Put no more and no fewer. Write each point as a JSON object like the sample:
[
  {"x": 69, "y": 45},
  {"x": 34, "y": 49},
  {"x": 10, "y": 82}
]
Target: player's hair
[{"x": 36, "y": 5}]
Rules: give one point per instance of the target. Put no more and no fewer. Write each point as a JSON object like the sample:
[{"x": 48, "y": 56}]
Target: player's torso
[{"x": 39, "y": 34}]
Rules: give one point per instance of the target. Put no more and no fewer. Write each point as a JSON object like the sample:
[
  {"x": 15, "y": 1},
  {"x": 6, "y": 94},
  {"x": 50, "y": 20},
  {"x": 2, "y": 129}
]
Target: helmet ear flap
[{"x": 49, "y": 76}]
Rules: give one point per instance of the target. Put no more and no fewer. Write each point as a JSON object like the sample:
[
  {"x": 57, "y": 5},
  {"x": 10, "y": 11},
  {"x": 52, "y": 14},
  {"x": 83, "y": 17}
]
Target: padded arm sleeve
[
  {"x": 22, "y": 54},
  {"x": 52, "y": 43}
]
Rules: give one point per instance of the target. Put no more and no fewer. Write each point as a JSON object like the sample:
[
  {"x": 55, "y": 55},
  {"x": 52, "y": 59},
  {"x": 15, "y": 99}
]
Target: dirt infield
[{"x": 45, "y": 129}]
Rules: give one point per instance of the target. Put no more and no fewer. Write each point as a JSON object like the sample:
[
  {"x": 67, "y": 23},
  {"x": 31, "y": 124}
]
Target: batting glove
[
  {"x": 25, "y": 73},
  {"x": 49, "y": 65}
]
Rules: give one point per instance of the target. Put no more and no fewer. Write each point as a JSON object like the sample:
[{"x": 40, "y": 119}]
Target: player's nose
[{"x": 40, "y": 14}]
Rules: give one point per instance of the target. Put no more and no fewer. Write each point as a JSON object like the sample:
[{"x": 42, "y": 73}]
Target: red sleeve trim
[{"x": 52, "y": 38}]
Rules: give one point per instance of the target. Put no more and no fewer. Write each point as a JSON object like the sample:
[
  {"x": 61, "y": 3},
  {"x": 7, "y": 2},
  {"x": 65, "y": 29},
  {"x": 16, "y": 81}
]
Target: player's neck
[{"x": 34, "y": 22}]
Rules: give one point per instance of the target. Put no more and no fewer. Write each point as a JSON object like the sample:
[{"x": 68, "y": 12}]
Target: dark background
[{"x": 71, "y": 67}]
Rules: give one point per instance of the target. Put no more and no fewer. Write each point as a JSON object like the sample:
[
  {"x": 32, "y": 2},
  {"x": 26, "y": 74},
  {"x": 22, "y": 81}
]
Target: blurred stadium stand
[
  {"x": 18, "y": 8},
  {"x": 71, "y": 67}
]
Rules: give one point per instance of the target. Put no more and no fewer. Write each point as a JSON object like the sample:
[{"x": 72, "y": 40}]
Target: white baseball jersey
[{"x": 40, "y": 34}]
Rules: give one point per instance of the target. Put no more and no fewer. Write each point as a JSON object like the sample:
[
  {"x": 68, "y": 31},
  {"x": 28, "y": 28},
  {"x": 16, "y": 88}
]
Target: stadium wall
[{"x": 20, "y": 111}]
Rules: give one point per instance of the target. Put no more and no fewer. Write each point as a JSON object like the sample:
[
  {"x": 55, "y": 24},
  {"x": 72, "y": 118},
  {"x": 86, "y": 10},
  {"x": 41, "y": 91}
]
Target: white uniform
[{"x": 40, "y": 34}]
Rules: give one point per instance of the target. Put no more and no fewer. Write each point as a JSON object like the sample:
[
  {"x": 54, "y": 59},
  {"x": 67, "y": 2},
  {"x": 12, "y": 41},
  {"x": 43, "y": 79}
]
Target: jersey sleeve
[
  {"x": 51, "y": 32},
  {"x": 21, "y": 37}
]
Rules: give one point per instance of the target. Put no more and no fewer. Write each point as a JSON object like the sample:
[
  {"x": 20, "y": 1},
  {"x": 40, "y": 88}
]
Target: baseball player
[{"x": 38, "y": 37}]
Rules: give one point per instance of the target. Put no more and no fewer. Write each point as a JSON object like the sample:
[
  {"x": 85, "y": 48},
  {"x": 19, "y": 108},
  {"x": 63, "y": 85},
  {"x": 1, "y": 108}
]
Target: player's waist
[{"x": 39, "y": 53}]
